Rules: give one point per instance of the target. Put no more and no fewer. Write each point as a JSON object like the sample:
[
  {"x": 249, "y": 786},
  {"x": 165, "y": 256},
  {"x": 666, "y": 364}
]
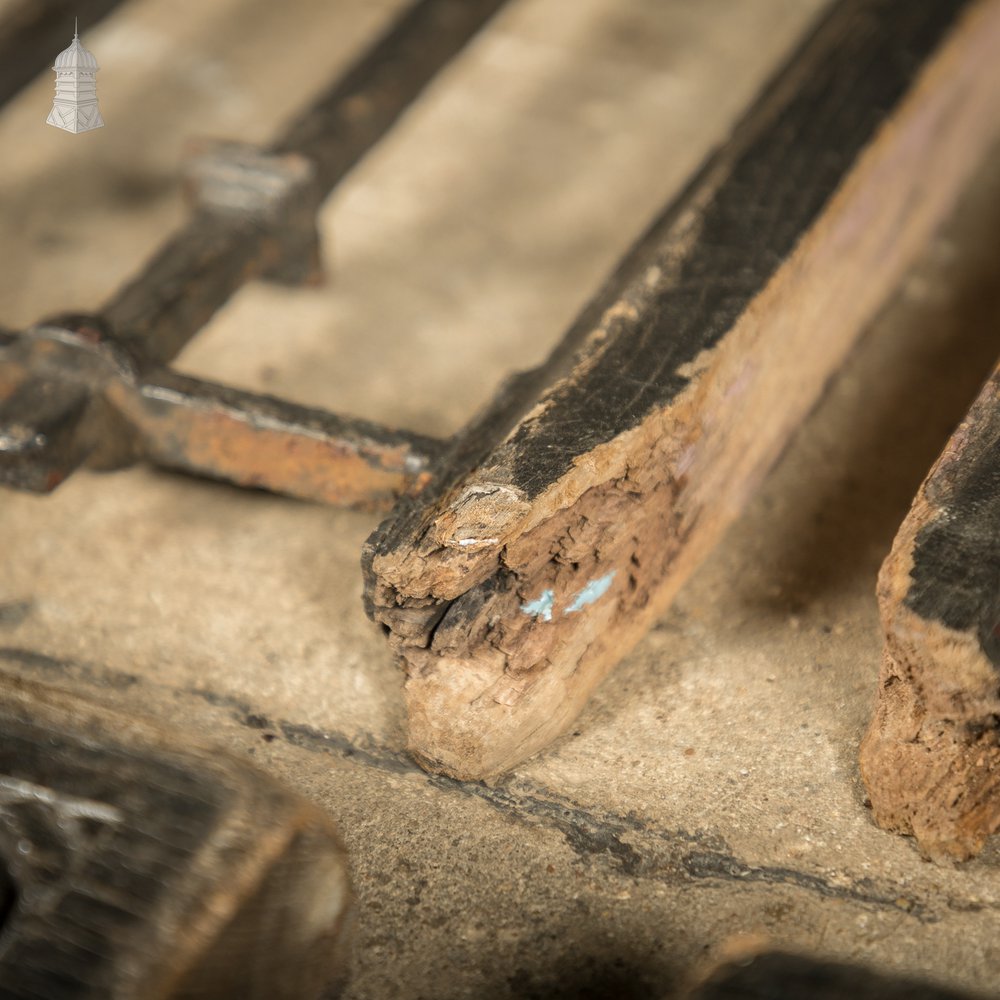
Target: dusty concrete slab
[{"x": 711, "y": 788}]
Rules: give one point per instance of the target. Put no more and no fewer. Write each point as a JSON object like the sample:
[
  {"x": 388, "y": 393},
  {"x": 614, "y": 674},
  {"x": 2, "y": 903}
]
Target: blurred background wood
[{"x": 146, "y": 865}]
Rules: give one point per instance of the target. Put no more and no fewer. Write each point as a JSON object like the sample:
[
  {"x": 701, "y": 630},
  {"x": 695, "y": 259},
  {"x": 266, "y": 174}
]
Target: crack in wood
[{"x": 653, "y": 422}]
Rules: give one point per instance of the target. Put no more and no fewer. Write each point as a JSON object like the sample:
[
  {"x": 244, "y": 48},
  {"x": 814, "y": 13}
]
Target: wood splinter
[
  {"x": 564, "y": 520},
  {"x": 931, "y": 758}
]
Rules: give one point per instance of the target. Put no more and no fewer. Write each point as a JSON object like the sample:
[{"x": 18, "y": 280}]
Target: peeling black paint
[
  {"x": 955, "y": 578},
  {"x": 783, "y": 165}
]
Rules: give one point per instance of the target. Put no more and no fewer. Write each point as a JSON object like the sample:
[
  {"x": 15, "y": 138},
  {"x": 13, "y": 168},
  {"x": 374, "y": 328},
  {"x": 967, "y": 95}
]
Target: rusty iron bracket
[
  {"x": 95, "y": 390},
  {"x": 72, "y": 396}
]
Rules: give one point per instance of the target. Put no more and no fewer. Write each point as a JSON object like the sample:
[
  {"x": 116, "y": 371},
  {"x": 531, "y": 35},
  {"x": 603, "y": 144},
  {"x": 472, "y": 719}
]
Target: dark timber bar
[
  {"x": 931, "y": 758},
  {"x": 565, "y": 520},
  {"x": 135, "y": 863},
  {"x": 201, "y": 267}
]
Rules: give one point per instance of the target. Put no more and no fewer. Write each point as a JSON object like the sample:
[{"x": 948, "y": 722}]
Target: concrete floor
[{"x": 710, "y": 790}]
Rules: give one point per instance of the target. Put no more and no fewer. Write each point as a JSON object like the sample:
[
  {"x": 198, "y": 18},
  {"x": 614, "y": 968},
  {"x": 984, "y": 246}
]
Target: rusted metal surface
[
  {"x": 51, "y": 379},
  {"x": 136, "y": 865},
  {"x": 94, "y": 390},
  {"x": 71, "y": 396},
  {"x": 268, "y": 443},
  {"x": 41, "y": 433}
]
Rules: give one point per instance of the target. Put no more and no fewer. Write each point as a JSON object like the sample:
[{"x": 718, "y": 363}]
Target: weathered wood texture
[
  {"x": 569, "y": 514},
  {"x": 134, "y": 866},
  {"x": 931, "y": 757}
]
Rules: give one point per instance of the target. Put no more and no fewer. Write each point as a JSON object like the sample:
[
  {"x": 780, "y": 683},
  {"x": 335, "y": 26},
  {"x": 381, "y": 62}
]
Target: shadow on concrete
[
  {"x": 584, "y": 978},
  {"x": 831, "y": 508}
]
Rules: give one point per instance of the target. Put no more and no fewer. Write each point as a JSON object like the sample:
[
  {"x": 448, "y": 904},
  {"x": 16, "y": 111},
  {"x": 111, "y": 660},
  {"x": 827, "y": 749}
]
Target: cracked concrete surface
[{"x": 710, "y": 789}]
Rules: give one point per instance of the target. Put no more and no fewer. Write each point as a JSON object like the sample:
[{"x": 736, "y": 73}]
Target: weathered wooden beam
[
  {"x": 931, "y": 757},
  {"x": 566, "y": 518},
  {"x": 138, "y": 866}
]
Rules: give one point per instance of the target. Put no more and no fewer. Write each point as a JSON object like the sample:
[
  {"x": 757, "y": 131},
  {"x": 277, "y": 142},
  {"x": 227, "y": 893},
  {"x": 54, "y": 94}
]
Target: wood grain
[
  {"x": 135, "y": 865},
  {"x": 931, "y": 757},
  {"x": 568, "y": 515}
]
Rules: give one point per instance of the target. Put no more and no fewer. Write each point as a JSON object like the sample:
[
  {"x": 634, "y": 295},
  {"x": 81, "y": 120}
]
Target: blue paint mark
[
  {"x": 542, "y": 608},
  {"x": 594, "y": 590}
]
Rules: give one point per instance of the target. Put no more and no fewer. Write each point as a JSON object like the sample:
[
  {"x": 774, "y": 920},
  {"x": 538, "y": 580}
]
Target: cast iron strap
[{"x": 78, "y": 389}]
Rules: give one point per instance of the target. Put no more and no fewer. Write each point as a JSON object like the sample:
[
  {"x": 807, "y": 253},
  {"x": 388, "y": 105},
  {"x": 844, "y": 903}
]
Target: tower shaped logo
[{"x": 75, "y": 107}]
